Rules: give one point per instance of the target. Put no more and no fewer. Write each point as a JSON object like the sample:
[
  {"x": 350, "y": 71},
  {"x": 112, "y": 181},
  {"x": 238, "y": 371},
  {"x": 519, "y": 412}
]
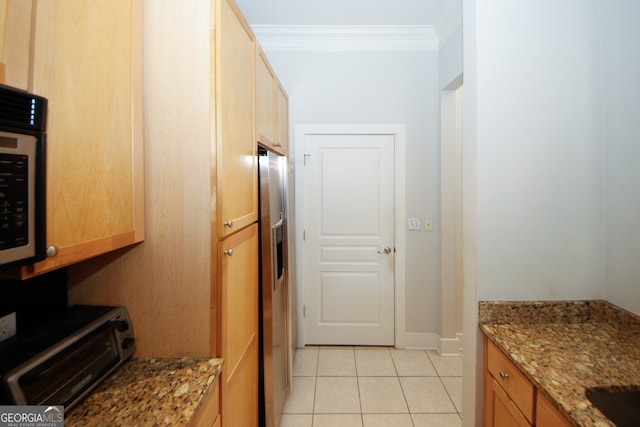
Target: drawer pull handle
[
  {"x": 504, "y": 376},
  {"x": 229, "y": 252},
  {"x": 229, "y": 223}
]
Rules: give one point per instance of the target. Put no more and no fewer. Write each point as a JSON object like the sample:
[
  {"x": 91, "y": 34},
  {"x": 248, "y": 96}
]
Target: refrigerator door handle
[
  {"x": 278, "y": 255},
  {"x": 278, "y": 224}
]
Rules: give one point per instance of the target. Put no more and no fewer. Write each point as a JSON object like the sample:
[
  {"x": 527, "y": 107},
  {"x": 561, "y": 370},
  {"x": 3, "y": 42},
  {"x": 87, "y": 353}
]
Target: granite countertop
[
  {"x": 566, "y": 348},
  {"x": 148, "y": 391}
]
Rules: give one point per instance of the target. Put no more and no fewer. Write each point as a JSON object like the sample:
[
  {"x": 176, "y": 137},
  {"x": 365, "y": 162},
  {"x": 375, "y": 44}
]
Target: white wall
[
  {"x": 450, "y": 58},
  {"x": 534, "y": 161},
  {"x": 380, "y": 87},
  {"x": 540, "y": 215},
  {"x": 621, "y": 112}
]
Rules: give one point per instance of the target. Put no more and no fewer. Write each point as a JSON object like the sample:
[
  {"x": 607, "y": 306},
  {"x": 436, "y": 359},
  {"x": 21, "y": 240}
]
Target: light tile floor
[{"x": 373, "y": 387}]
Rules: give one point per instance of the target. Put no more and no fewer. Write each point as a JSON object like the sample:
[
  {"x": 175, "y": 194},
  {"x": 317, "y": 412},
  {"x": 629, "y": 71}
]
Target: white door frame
[{"x": 399, "y": 132}]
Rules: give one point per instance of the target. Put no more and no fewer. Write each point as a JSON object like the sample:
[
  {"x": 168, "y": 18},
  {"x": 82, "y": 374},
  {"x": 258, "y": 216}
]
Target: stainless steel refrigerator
[{"x": 274, "y": 307}]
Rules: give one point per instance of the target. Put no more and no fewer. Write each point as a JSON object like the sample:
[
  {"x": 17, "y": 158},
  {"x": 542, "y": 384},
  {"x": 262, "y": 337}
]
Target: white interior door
[{"x": 349, "y": 239}]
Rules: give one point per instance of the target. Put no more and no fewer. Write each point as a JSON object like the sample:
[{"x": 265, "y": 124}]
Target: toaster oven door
[{"x": 65, "y": 376}]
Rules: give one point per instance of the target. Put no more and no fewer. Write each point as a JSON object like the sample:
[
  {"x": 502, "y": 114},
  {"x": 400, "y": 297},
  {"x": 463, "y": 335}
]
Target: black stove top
[{"x": 29, "y": 343}]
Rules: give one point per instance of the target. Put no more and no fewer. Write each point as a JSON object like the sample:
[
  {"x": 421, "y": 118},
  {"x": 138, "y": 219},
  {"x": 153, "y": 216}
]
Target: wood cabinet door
[
  {"x": 237, "y": 183},
  {"x": 504, "y": 413},
  {"x": 547, "y": 415},
  {"x": 238, "y": 271},
  {"x": 86, "y": 59},
  {"x": 16, "y": 40},
  {"x": 265, "y": 101},
  {"x": 282, "y": 120}
]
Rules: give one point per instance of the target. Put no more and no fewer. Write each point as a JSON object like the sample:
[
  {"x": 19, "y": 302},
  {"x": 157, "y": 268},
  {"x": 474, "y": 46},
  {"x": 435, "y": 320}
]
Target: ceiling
[{"x": 346, "y": 12}]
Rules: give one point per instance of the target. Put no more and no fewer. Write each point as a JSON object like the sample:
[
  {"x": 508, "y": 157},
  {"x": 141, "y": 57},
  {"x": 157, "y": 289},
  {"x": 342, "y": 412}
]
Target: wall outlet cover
[
  {"x": 7, "y": 326},
  {"x": 428, "y": 225}
]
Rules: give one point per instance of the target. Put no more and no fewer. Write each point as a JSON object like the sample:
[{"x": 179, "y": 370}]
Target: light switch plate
[
  {"x": 414, "y": 224},
  {"x": 7, "y": 326}
]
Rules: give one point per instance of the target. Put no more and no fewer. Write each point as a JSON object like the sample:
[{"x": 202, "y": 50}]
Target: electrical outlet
[
  {"x": 7, "y": 326},
  {"x": 428, "y": 225}
]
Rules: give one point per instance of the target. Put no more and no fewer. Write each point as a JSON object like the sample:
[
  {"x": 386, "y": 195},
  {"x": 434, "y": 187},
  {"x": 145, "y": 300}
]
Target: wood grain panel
[
  {"x": 239, "y": 326},
  {"x": 208, "y": 414},
  {"x": 17, "y": 42},
  {"x": 282, "y": 120},
  {"x": 547, "y": 415},
  {"x": 86, "y": 59},
  {"x": 166, "y": 281},
  {"x": 236, "y": 162},
  {"x": 505, "y": 412},
  {"x": 265, "y": 100},
  {"x": 82, "y": 64}
]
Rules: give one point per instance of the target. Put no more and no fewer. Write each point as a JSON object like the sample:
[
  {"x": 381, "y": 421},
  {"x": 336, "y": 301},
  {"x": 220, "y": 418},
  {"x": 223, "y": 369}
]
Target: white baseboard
[
  {"x": 417, "y": 341},
  {"x": 451, "y": 346}
]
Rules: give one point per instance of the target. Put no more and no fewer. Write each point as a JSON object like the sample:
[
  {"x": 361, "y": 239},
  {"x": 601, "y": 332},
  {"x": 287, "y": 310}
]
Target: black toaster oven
[{"x": 61, "y": 360}]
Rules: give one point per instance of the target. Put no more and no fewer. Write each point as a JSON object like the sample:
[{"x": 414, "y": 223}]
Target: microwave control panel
[{"x": 14, "y": 201}]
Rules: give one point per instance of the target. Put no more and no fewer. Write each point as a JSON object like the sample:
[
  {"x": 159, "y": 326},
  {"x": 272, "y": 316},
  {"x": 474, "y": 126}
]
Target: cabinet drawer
[{"x": 514, "y": 383}]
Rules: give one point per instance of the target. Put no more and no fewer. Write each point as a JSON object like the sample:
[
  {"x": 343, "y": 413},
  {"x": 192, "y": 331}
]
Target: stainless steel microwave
[{"x": 22, "y": 177}]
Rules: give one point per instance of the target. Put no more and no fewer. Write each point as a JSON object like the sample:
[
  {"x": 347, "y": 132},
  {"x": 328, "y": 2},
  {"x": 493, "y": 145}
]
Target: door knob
[{"x": 386, "y": 250}]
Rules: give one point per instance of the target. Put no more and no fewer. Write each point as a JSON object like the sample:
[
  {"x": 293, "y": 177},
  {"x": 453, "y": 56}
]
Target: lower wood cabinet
[
  {"x": 510, "y": 399},
  {"x": 500, "y": 410},
  {"x": 547, "y": 415},
  {"x": 238, "y": 269},
  {"x": 208, "y": 415}
]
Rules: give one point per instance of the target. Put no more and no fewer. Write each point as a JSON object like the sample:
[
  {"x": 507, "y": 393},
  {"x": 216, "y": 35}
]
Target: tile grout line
[
  {"x": 359, "y": 373},
  {"x": 443, "y": 384}
]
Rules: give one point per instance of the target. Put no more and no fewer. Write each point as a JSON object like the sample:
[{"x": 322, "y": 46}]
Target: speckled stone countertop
[
  {"x": 568, "y": 347},
  {"x": 148, "y": 392}
]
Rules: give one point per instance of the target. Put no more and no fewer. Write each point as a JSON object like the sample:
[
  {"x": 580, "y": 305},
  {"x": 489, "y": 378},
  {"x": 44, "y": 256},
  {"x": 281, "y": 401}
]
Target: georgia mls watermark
[{"x": 31, "y": 416}]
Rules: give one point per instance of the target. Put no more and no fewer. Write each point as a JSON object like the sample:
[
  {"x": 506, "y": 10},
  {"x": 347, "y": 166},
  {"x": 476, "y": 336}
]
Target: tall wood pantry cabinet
[
  {"x": 192, "y": 287},
  {"x": 237, "y": 196},
  {"x": 85, "y": 57}
]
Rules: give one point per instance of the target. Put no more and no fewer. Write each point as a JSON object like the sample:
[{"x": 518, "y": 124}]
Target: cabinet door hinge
[
  {"x": 304, "y": 234},
  {"x": 306, "y": 156},
  {"x": 304, "y": 311}
]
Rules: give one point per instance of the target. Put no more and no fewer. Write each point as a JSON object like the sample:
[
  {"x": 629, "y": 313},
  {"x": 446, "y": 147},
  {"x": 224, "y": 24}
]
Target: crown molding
[{"x": 346, "y": 38}]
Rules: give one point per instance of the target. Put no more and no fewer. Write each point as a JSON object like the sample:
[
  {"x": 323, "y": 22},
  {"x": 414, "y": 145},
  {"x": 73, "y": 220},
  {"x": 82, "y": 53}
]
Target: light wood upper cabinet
[
  {"x": 237, "y": 149},
  {"x": 282, "y": 120},
  {"x": 272, "y": 110},
  {"x": 265, "y": 101},
  {"x": 85, "y": 57}
]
